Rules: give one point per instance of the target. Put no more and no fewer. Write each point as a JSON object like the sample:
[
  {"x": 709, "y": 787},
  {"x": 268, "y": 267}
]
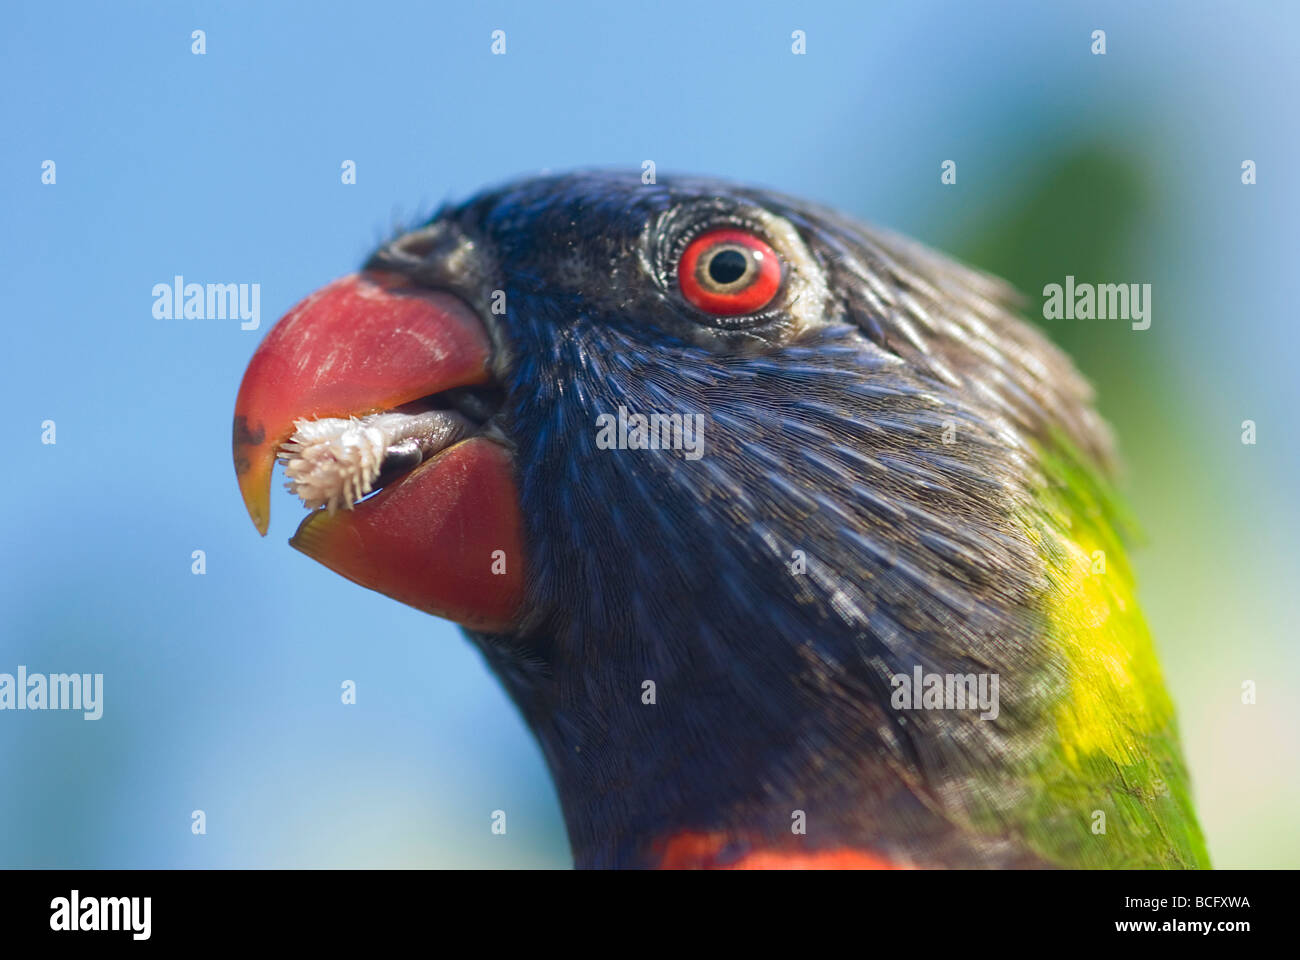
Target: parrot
[{"x": 793, "y": 544}]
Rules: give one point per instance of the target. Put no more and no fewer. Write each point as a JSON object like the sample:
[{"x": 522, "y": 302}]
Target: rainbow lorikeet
[{"x": 792, "y": 543}]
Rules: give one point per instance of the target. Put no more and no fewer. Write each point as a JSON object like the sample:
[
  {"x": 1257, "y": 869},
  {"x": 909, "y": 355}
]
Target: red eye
[{"x": 728, "y": 272}]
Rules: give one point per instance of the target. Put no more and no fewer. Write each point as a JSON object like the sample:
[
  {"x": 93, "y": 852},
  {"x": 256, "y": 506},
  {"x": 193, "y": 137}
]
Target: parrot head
[{"x": 728, "y": 465}]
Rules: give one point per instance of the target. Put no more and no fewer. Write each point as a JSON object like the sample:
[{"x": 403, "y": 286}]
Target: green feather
[{"x": 1113, "y": 787}]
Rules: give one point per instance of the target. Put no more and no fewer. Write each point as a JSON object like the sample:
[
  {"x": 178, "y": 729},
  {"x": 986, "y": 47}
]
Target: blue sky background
[{"x": 222, "y": 691}]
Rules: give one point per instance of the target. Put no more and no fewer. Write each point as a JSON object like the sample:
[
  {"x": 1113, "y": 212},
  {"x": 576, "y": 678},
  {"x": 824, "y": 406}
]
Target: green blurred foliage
[{"x": 1078, "y": 214}]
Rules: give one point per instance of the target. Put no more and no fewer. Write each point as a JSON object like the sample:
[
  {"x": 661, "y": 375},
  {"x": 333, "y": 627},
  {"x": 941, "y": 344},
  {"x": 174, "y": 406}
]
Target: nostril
[
  {"x": 411, "y": 251},
  {"x": 418, "y": 245},
  {"x": 437, "y": 255}
]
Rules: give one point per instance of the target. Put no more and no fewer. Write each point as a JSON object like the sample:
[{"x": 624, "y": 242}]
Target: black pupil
[{"x": 727, "y": 266}]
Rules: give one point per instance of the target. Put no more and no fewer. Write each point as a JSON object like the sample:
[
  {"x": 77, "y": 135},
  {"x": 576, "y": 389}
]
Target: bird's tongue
[{"x": 446, "y": 537}]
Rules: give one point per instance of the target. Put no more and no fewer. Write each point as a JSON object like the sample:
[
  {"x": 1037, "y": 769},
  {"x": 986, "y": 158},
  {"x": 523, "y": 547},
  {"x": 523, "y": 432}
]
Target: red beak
[{"x": 447, "y": 537}]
